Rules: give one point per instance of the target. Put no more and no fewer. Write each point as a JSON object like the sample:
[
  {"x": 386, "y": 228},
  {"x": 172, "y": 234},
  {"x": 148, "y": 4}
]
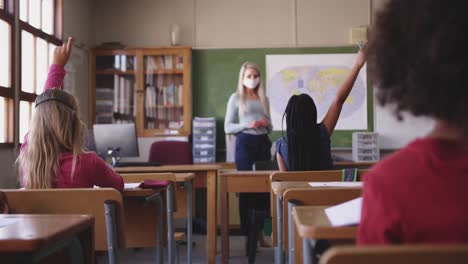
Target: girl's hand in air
[
  {"x": 361, "y": 56},
  {"x": 62, "y": 53}
]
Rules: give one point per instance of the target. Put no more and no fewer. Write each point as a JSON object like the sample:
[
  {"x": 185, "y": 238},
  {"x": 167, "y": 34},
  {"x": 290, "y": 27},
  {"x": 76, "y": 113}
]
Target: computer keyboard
[{"x": 138, "y": 164}]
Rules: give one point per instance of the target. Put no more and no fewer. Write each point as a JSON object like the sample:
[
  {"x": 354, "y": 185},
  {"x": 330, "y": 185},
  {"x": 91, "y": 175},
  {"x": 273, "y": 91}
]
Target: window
[
  {"x": 40, "y": 28},
  {"x": 6, "y": 72}
]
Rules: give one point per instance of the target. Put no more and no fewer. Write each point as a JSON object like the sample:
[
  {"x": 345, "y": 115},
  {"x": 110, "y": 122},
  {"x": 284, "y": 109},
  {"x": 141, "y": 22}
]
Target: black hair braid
[{"x": 303, "y": 134}]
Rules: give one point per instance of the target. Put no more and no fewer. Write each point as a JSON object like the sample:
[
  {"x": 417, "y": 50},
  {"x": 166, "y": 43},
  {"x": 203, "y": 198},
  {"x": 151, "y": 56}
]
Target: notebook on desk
[
  {"x": 138, "y": 164},
  {"x": 345, "y": 214}
]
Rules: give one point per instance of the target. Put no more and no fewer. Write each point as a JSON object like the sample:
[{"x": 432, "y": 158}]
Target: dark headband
[{"x": 55, "y": 99}]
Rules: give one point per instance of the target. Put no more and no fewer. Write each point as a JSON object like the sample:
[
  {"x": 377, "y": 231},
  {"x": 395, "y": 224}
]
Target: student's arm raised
[
  {"x": 56, "y": 73},
  {"x": 57, "y": 70},
  {"x": 331, "y": 118}
]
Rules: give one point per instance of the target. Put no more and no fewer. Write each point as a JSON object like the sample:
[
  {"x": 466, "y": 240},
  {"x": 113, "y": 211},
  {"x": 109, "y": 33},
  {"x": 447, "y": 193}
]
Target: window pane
[
  {"x": 35, "y": 13},
  {"x": 27, "y": 62},
  {"x": 24, "y": 118},
  {"x": 2, "y": 120},
  {"x": 24, "y": 10},
  {"x": 1, "y": 7},
  {"x": 51, "y": 53},
  {"x": 5, "y": 49},
  {"x": 41, "y": 64},
  {"x": 48, "y": 16}
]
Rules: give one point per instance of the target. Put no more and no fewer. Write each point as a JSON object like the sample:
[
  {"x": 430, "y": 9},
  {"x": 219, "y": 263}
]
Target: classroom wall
[
  {"x": 230, "y": 24},
  {"x": 78, "y": 23}
]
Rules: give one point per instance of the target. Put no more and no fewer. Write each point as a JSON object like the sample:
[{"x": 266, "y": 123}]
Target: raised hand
[
  {"x": 361, "y": 57},
  {"x": 62, "y": 53}
]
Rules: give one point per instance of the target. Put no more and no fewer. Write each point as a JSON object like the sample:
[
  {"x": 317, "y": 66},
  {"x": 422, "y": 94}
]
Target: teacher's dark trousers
[{"x": 249, "y": 149}]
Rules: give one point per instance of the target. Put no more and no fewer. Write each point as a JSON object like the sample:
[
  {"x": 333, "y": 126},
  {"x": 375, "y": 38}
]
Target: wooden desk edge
[
  {"x": 330, "y": 232},
  {"x": 85, "y": 221}
]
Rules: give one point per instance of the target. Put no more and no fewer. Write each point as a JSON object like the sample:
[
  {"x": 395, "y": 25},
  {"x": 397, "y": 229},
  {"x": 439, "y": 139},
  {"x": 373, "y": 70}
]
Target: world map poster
[{"x": 320, "y": 76}]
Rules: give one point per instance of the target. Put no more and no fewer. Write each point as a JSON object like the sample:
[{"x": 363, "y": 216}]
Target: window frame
[
  {"x": 14, "y": 94},
  {"x": 8, "y": 93}
]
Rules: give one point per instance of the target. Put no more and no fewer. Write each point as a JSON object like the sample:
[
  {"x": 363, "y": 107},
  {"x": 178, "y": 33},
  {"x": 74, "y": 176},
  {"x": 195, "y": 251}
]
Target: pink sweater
[{"x": 90, "y": 170}]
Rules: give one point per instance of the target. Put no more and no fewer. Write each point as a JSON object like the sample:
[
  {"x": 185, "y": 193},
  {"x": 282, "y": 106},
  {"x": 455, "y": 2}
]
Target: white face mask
[{"x": 251, "y": 83}]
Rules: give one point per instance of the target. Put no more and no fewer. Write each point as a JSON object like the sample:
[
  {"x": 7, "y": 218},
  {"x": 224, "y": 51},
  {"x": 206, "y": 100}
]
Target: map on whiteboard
[{"x": 319, "y": 76}]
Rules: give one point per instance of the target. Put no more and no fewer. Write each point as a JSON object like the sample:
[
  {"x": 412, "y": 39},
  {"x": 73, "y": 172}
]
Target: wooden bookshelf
[
  {"x": 148, "y": 86},
  {"x": 113, "y": 72}
]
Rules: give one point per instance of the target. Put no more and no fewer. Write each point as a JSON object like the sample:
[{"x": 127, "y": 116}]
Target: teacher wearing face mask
[{"x": 248, "y": 116}]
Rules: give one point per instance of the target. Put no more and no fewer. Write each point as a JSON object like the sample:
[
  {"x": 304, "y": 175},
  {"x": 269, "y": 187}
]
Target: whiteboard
[{"x": 395, "y": 134}]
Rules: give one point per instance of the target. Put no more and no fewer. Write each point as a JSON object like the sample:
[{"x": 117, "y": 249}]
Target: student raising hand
[
  {"x": 62, "y": 53},
  {"x": 361, "y": 56}
]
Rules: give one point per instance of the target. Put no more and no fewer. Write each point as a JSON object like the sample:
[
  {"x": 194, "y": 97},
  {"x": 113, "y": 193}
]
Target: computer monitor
[
  {"x": 88, "y": 139},
  {"x": 112, "y": 136}
]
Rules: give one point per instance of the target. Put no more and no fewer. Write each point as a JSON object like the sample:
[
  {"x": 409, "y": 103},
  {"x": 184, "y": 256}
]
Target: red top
[
  {"x": 417, "y": 195},
  {"x": 90, "y": 170}
]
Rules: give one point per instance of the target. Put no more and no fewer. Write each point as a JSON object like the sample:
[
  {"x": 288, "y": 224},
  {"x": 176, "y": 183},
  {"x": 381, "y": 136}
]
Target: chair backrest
[
  {"x": 325, "y": 175},
  {"x": 171, "y": 152},
  {"x": 401, "y": 254},
  {"x": 71, "y": 201},
  {"x": 327, "y": 196},
  {"x": 265, "y": 165}
]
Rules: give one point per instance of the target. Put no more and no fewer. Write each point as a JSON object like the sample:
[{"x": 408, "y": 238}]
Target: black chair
[{"x": 257, "y": 217}]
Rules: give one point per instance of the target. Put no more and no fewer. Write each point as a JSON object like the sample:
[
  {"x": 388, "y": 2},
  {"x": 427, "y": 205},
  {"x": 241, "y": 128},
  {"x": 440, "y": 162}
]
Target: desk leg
[
  {"x": 211, "y": 215},
  {"x": 279, "y": 256},
  {"x": 291, "y": 245},
  {"x": 159, "y": 217},
  {"x": 224, "y": 220},
  {"x": 170, "y": 223},
  {"x": 308, "y": 246},
  {"x": 111, "y": 227},
  {"x": 189, "y": 186}
]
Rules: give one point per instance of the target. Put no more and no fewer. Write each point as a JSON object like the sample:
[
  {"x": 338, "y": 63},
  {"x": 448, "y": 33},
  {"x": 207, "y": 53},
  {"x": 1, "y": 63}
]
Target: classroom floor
[{"x": 237, "y": 243}]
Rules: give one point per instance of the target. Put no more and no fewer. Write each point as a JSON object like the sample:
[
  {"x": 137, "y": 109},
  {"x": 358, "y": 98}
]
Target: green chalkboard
[{"x": 215, "y": 76}]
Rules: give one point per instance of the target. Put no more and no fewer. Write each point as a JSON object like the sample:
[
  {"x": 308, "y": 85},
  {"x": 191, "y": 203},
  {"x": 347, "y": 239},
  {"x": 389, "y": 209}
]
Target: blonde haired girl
[
  {"x": 52, "y": 155},
  {"x": 248, "y": 116}
]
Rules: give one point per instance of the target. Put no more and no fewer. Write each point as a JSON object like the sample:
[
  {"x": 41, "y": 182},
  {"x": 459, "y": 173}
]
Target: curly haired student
[
  {"x": 418, "y": 58},
  {"x": 52, "y": 155}
]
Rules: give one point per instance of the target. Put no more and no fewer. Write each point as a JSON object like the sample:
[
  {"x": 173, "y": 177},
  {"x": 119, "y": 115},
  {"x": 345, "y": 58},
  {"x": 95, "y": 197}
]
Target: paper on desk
[
  {"x": 345, "y": 214},
  {"x": 132, "y": 185},
  {"x": 7, "y": 221},
  {"x": 335, "y": 184}
]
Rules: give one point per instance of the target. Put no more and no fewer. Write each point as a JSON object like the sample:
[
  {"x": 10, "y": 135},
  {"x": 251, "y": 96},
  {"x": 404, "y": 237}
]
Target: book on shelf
[
  {"x": 180, "y": 95},
  {"x": 123, "y": 63},
  {"x": 159, "y": 62},
  {"x": 128, "y": 96},
  {"x": 116, "y": 92},
  {"x": 117, "y": 62},
  {"x": 179, "y": 62},
  {"x": 170, "y": 95},
  {"x": 168, "y": 63},
  {"x": 122, "y": 94}
]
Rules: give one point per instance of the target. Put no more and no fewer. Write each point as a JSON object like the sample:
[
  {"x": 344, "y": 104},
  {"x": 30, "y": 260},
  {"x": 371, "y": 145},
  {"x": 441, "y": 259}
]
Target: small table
[
  {"x": 240, "y": 182},
  {"x": 185, "y": 178},
  {"x": 205, "y": 177},
  {"x": 31, "y": 238},
  {"x": 312, "y": 224}
]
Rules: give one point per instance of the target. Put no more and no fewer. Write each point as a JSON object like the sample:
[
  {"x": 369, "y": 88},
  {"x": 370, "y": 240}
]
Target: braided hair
[{"x": 303, "y": 134}]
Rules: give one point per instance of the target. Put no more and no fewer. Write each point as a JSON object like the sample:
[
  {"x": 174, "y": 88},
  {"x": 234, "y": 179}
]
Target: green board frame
[{"x": 216, "y": 72}]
